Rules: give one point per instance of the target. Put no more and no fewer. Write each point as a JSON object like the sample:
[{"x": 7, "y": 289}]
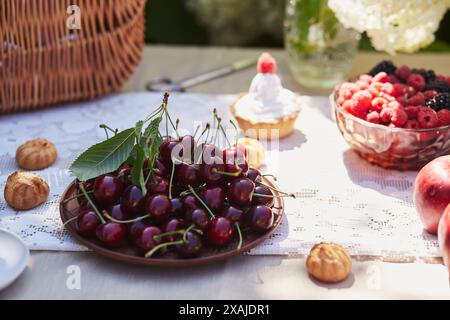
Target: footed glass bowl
[{"x": 391, "y": 148}]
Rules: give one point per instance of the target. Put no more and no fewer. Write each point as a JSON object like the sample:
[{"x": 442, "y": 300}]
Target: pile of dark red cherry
[{"x": 189, "y": 204}]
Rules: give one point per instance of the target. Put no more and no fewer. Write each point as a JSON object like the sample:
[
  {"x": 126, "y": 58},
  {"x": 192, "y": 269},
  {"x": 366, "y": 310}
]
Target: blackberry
[
  {"x": 439, "y": 102},
  {"x": 440, "y": 86},
  {"x": 428, "y": 75},
  {"x": 383, "y": 66}
]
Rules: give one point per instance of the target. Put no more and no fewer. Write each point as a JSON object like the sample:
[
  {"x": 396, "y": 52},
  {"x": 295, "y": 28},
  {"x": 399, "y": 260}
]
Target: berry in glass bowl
[{"x": 395, "y": 120}]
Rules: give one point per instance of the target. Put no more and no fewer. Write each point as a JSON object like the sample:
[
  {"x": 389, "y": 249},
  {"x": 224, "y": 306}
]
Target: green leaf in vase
[
  {"x": 137, "y": 172},
  {"x": 105, "y": 156},
  {"x": 313, "y": 12}
]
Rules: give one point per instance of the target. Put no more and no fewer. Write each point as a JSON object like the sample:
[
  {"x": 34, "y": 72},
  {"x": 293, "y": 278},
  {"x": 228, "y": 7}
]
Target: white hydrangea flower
[{"x": 393, "y": 25}]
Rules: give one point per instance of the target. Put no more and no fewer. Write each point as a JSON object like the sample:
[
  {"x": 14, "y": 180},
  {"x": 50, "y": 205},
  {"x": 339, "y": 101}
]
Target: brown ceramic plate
[{"x": 128, "y": 254}]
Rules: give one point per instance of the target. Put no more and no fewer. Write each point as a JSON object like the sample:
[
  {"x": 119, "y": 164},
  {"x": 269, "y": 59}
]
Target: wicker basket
[{"x": 43, "y": 62}]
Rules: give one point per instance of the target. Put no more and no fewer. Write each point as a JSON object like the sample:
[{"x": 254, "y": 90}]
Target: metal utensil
[{"x": 162, "y": 84}]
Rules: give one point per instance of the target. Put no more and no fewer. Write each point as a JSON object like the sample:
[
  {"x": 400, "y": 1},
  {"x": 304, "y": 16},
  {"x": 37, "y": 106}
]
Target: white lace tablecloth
[{"x": 340, "y": 197}]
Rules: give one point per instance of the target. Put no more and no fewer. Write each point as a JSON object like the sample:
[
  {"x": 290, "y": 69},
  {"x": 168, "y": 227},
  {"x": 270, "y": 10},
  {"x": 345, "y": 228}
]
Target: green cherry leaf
[
  {"x": 105, "y": 156},
  {"x": 138, "y": 128},
  {"x": 152, "y": 129},
  {"x": 137, "y": 172}
]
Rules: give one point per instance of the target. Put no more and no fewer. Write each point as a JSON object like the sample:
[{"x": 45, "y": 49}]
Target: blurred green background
[{"x": 248, "y": 23}]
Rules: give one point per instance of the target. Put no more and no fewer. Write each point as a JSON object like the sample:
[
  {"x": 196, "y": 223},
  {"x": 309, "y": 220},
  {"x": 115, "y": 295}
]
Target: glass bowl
[{"x": 391, "y": 148}]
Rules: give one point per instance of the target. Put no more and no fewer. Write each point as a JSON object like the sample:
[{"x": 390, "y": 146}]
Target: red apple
[
  {"x": 444, "y": 236},
  {"x": 432, "y": 192}
]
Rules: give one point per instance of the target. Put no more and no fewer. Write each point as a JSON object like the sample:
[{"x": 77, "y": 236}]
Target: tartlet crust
[{"x": 259, "y": 129}]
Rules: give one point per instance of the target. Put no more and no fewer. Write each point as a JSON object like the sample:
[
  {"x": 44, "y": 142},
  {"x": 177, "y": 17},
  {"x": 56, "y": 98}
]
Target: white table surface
[{"x": 48, "y": 274}]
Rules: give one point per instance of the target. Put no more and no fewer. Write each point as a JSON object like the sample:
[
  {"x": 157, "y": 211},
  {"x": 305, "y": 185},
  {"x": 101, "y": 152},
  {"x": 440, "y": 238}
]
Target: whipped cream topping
[{"x": 267, "y": 100}]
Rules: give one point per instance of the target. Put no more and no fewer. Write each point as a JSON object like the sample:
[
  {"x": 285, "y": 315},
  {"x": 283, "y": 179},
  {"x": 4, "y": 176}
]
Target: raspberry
[
  {"x": 267, "y": 64},
  {"x": 410, "y": 91},
  {"x": 386, "y": 116},
  {"x": 340, "y": 101},
  {"x": 403, "y": 73},
  {"x": 345, "y": 93},
  {"x": 394, "y": 105},
  {"x": 430, "y": 94},
  {"x": 412, "y": 124},
  {"x": 366, "y": 78},
  {"x": 378, "y": 104},
  {"x": 393, "y": 79},
  {"x": 417, "y": 100},
  {"x": 381, "y": 77},
  {"x": 359, "y": 111},
  {"x": 398, "y": 89},
  {"x": 387, "y": 88},
  {"x": 412, "y": 112},
  {"x": 444, "y": 117},
  {"x": 354, "y": 108},
  {"x": 427, "y": 118},
  {"x": 399, "y": 117},
  {"x": 386, "y": 96},
  {"x": 373, "y": 117},
  {"x": 375, "y": 88},
  {"x": 349, "y": 106},
  {"x": 402, "y": 100},
  {"x": 416, "y": 81},
  {"x": 363, "y": 85},
  {"x": 350, "y": 86},
  {"x": 428, "y": 75},
  {"x": 363, "y": 98}
]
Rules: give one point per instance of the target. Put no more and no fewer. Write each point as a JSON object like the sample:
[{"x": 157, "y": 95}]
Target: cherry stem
[
  {"x": 167, "y": 124},
  {"x": 160, "y": 108},
  {"x": 224, "y": 133},
  {"x": 92, "y": 203},
  {"x": 76, "y": 197},
  {"x": 207, "y": 135},
  {"x": 274, "y": 189},
  {"x": 202, "y": 202},
  {"x": 214, "y": 123},
  {"x": 191, "y": 227},
  {"x": 108, "y": 128},
  {"x": 238, "y": 228},
  {"x": 237, "y": 131},
  {"x": 204, "y": 131},
  {"x": 178, "y": 161},
  {"x": 69, "y": 221},
  {"x": 181, "y": 231},
  {"x": 171, "y": 180},
  {"x": 151, "y": 170},
  {"x": 154, "y": 113},
  {"x": 196, "y": 131},
  {"x": 125, "y": 221},
  {"x": 171, "y": 233},
  {"x": 270, "y": 175},
  {"x": 160, "y": 246},
  {"x": 188, "y": 192},
  {"x": 230, "y": 174},
  {"x": 171, "y": 122},
  {"x": 216, "y": 136}
]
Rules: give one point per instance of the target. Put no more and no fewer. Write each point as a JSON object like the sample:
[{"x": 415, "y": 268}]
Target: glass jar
[{"x": 320, "y": 49}]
